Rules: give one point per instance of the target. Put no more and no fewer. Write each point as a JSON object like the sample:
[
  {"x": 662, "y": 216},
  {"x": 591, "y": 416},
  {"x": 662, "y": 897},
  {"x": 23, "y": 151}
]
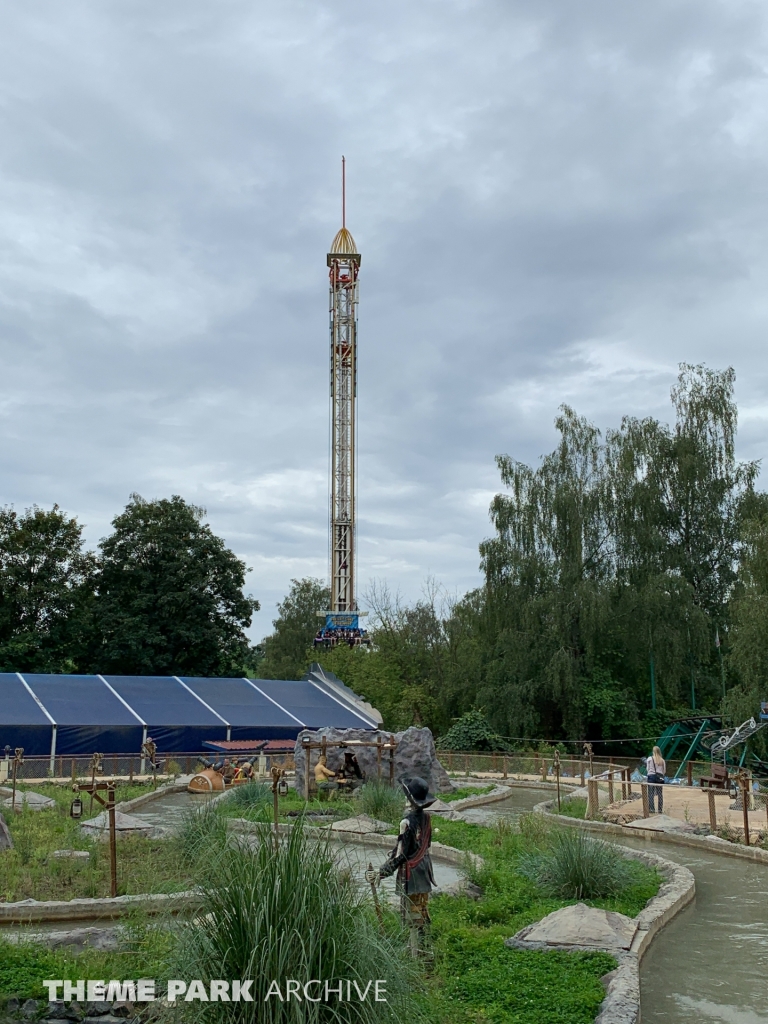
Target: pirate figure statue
[{"x": 412, "y": 862}]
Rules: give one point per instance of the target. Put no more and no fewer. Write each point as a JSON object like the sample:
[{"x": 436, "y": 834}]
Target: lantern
[
  {"x": 76, "y": 808},
  {"x": 282, "y": 788}
]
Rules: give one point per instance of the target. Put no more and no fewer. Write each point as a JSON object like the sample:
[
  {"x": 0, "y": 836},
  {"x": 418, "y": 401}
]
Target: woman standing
[{"x": 656, "y": 769}]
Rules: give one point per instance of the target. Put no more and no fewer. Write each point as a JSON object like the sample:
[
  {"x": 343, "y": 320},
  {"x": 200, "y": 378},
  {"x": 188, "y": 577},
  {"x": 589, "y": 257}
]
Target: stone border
[
  {"x": 622, "y": 997},
  {"x": 710, "y": 844},
  {"x": 29, "y": 911}
]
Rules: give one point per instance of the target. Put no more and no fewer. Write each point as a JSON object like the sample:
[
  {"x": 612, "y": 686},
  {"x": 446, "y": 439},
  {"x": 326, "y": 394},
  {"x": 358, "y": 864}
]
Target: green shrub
[
  {"x": 250, "y": 796},
  {"x": 575, "y": 866},
  {"x": 574, "y": 807},
  {"x": 382, "y": 801},
  {"x": 274, "y": 915},
  {"x": 472, "y": 732},
  {"x": 202, "y": 835}
]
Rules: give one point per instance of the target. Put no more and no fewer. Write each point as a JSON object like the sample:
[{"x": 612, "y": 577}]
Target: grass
[
  {"x": 30, "y": 872},
  {"x": 286, "y": 914},
  {"x": 465, "y": 791},
  {"x": 382, "y": 801},
  {"x": 477, "y": 978},
  {"x": 573, "y": 865},
  {"x": 145, "y": 953},
  {"x": 573, "y": 807}
]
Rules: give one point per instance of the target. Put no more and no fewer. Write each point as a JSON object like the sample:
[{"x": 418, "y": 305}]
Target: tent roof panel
[
  {"x": 162, "y": 700},
  {"x": 17, "y": 705},
  {"x": 238, "y": 702},
  {"x": 313, "y": 706},
  {"x": 79, "y": 700}
]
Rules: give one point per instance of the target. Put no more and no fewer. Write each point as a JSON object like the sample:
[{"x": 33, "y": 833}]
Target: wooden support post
[
  {"x": 712, "y": 813},
  {"x": 130, "y": 771},
  {"x": 543, "y": 770},
  {"x": 610, "y": 783},
  {"x": 378, "y": 755},
  {"x": 74, "y": 770},
  {"x": 61, "y": 767},
  {"x": 690, "y": 773},
  {"x": 112, "y": 839},
  {"x": 629, "y": 783},
  {"x": 581, "y": 770},
  {"x": 644, "y": 794},
  {"x": 506, "y": 773},
  {"x": 557, "y": 778},
  {"x": 391, "y": 759},
  {"x": 593, "y": 798}
]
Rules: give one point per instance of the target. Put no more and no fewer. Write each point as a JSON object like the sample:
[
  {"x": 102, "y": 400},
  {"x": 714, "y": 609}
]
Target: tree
[
  {"x": 46, "y": 591},
  {"x": 169, "y": 595},
  {"x": 288, "y": 650}
]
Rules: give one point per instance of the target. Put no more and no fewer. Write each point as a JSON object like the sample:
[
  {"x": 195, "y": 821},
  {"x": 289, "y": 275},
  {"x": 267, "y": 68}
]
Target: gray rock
[
  {"x": 30, "y": 1009},
  {"x": 660, "y": 823},
  {"x": 34, "y": 801},
  {"x": 12, "y": 1006},
  {"x": 125, "y": 824},
  {"x": 97, "y": 1009},
  {"x": 106, "y": 1018},
  {"x": 578, "y": 926},
  {"x": 414, "y": 755},
  {"x": 362, "y": 824},
  {"x": 6, "y": 842},
  {"x": 71, "y": 855},
  {"x": 59, "y": 1010}
]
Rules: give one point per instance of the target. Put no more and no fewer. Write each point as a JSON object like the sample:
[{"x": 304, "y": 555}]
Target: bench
[{"x": 717, "y": 780}]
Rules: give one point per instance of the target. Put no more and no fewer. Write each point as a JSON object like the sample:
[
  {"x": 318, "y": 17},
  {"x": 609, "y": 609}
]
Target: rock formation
[{"x": 414, "y": 755}]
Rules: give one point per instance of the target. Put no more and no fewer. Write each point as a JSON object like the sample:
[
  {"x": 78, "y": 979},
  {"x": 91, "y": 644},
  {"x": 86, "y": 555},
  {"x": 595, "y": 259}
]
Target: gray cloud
[{"x": 554, "y": 203}]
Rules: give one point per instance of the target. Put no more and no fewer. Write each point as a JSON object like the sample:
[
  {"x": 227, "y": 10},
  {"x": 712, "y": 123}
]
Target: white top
[{"x": 654, "y": 766}]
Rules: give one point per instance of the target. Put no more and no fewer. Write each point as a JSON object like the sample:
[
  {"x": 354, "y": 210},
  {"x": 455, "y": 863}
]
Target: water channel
[{"x": 710, "y": 964}]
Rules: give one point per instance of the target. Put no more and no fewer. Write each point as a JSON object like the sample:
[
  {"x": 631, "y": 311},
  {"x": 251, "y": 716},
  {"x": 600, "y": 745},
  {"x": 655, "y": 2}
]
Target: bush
[
  {"x": 574, "y": 807},
  {"x": 575, "y": 866},
  {"x": 472, "y": 732},
  {"x": 250, "y": 796},
  {"x": 270, "y": 916},
  {"x": 202, "y": 834},
  {"x": 382, "y": 801}
]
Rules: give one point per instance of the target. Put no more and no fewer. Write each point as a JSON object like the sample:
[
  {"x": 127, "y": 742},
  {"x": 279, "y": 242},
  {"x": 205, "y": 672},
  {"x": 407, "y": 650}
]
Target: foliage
[
  {"x": 574, "y": 807},
  {"x": 463, "y": 792},
  {"x": 201, "y": 835},
  {"x": 576, "y": 866},
  {"x": 145, "y": 951},
  {"x": 250, "y": 795},
  {"x": 30, "y": 872},
  {"x": 613, "y": 552},
  {"x": 486, "y": 981},
  {"x": 291, "y": 914},
  {"x": 287, "y": 652},
  {"x": 169, "y": 595},
  {"x": 382, "y": 801},
  {"x": 472, "y": 732},
  {"x": 46, "y": 587}
]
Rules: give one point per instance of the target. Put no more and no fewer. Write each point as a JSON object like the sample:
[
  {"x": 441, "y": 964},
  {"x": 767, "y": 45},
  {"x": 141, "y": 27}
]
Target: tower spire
[{"x": 341, "y": 619}]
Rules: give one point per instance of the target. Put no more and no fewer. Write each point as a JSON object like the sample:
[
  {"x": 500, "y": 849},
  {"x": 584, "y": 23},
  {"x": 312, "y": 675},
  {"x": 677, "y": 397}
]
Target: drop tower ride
[{"x": 342, "y": 618}]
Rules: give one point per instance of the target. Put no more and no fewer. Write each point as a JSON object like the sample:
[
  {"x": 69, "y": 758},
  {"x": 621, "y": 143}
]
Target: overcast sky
[{"x": 554, "y": 202}]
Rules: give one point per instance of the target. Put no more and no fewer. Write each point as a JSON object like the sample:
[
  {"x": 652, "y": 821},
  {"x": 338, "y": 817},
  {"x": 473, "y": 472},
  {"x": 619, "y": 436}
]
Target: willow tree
[{"x": 612, "y": 566}]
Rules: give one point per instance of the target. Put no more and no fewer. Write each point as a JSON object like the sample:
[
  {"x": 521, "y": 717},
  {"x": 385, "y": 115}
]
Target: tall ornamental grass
[
  {"x": 382, "y": 801},
  {"x": 572, "y": 865},
  {"x": 291, "y": 914},
  {"x": 250, "y": 796},
  {"x": 202, "y": 835}
]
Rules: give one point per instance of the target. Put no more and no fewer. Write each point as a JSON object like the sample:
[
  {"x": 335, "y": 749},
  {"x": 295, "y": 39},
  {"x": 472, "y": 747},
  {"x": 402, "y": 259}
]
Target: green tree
[
  {"x": 46, "y": 591},
  {"x": 287, "y": 652},
  {"x": 170, "y": 595}
]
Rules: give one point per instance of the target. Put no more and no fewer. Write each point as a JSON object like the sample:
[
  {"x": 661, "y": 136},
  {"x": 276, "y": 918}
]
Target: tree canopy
[{"x": 169, "y": 595}]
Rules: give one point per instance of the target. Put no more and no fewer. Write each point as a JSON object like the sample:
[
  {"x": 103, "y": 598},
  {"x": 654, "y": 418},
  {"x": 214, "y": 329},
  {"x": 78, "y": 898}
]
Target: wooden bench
[{"x": 717, "y": 780}]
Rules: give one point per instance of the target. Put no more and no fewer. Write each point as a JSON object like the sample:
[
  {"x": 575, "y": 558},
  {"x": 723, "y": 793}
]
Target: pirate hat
[{"x": 418, "y": 793}]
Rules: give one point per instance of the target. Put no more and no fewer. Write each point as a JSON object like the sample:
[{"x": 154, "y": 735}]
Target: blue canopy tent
[{"x": 72, "y": 715}]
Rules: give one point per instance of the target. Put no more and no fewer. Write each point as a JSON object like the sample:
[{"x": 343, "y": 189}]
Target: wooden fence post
[
  {"x": 644, "y": 794},
  {"x": 712, "y": 814}
]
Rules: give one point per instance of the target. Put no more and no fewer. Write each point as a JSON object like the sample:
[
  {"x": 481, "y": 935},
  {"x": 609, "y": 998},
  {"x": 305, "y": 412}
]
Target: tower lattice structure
[{"x": 343, "y": 290}]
